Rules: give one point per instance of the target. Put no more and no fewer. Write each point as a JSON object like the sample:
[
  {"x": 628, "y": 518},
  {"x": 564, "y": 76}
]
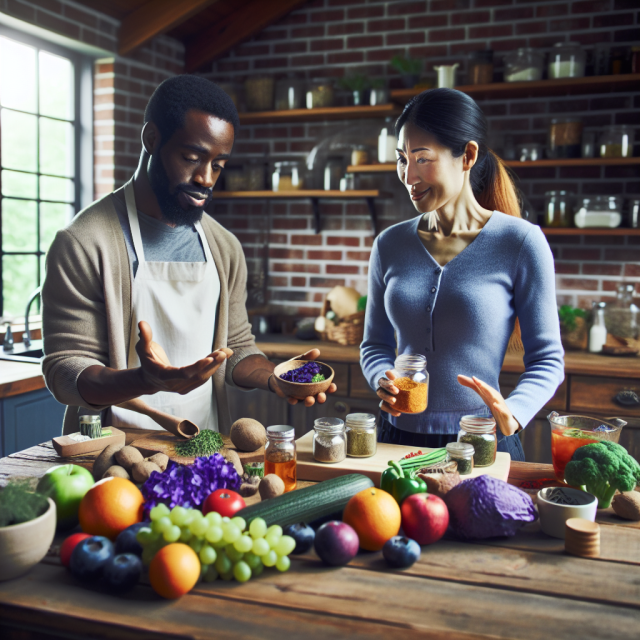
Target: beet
[{"x": 485, "y": 507}]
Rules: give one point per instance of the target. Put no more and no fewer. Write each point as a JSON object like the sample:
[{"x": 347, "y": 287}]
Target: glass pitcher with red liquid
[{"x": 568, "y": 433}]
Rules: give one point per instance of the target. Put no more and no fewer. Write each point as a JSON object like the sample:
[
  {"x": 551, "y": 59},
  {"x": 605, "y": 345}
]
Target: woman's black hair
[
  {"x": 455, "y": 119},
  {"x": 174, "y": 97}
]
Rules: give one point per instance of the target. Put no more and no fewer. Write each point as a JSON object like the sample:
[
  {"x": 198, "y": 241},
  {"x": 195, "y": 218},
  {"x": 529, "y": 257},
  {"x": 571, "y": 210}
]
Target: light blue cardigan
[{"x": 461, "y": 316}]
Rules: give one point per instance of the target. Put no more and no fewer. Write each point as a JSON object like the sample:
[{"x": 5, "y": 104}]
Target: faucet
[
  {"x": 26, "y": 336},
  {"x": 7, "y": 345}
]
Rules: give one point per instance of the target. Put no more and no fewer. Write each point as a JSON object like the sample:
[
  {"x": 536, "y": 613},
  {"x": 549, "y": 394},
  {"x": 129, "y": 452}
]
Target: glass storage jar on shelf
[
  {"x": 565, "y": 138},
  {"x": 524, "y": 64},
  {"x": 254, "y": 175},
  {"x": 412, "y": 382},
  {"x": 258, "y": 93},
  {"x": 280, "y": 454},
  {"x": 333, "y": 172},
  {"x": 480, "y": 433},
  {"x": 329, "y": 440},
  {"x": 362, "y": 437},
  {"x": 286, "y": 176},
  {"x": 319, "y": 94},
  {"x": 289, "y": 94},
  {"x": 234, "y": 179},
  {"x": 566, "y": 60},
  {"x": 634, "y": 214},
  {"x": 529, "y": 151},
  {"x": 558, "y": 209},
  {"x": 599, "y": 212},
  {"x": 616, "y": 142},
  {"x": 480, "y": 67},
  {"x": 621, "y": 316}
]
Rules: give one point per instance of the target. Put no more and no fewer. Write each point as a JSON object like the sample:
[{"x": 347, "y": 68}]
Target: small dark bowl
[{"x": 300, "y": 390}]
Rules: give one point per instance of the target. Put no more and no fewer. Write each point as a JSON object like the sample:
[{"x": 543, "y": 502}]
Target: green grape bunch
[{"x": 226, "y": 547}]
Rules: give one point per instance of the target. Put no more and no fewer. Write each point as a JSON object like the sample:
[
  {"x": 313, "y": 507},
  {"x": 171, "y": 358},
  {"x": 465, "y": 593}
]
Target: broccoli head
[{"x": 602, "y": 469}]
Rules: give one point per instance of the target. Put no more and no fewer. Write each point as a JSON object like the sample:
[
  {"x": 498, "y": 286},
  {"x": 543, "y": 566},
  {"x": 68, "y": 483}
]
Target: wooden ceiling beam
[
  {"x": 153, "y": 18},
  {"x": 235, "y": 28}
]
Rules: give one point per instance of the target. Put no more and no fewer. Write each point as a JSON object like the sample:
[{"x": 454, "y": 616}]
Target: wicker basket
[{"x": 349, "y": 331}]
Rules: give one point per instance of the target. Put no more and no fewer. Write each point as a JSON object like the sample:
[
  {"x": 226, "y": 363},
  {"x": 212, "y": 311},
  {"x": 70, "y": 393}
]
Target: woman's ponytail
[{"x": 498, "y": 191}]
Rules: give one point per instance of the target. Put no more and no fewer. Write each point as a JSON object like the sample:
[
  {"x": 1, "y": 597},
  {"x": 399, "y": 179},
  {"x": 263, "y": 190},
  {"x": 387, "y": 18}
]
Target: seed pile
[{"x": 206, "y": 443}]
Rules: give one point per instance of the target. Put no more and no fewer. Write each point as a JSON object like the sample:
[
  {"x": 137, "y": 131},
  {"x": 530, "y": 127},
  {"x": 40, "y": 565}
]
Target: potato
[
  {"x": 627, "y": 505},
  {"x": 231, "y": 456},
  {"x": 247, "y": 434},
  {"x": 105, "y": 460},
  {"x": 271, "y": 486},
  {"x": 128, "y": 456},
  {"x": 141, "y": 470},
  {"x": 116, "y": 471},
  {"x": 248, "y": 489},
  {"x": 161, "y": 459}
]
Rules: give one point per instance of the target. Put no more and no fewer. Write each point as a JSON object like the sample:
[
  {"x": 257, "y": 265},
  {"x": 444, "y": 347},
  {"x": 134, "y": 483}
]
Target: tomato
[
  {"x": 67, "y": 547},
  {"x": 223, "y": 501}
]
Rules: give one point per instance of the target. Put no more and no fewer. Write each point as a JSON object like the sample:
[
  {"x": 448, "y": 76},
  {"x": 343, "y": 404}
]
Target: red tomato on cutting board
[{"x": 223, "y": 501}]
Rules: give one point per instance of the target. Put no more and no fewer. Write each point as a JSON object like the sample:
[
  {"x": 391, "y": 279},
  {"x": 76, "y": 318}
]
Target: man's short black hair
[{"x": 174, "y": 97}]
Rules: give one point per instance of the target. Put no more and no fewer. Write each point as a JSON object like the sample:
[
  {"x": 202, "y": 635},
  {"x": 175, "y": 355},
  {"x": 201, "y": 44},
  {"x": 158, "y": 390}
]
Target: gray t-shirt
[{"x": 161, "y": 243}]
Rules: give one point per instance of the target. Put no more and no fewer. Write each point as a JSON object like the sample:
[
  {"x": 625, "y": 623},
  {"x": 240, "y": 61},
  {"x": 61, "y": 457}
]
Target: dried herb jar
[
  {"x": 329, "y": 440},
  {"x": 462, "y": 453},
  {"x": 362, "y": 438},
  {"x": 413, "y": 383},
  {"x": 480, "y": 432}
]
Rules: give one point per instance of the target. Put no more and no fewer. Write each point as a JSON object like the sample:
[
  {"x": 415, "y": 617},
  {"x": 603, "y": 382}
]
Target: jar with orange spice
[{"x": 412, "y": 383}]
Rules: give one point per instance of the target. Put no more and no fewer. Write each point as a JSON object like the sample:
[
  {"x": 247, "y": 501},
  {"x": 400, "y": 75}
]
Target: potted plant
[
  {"x": 408, "y": 68},
  {"x": 573, "y": 327},
  {"x": 357, "y": 85},
  {"x": 27, "y": 527}
]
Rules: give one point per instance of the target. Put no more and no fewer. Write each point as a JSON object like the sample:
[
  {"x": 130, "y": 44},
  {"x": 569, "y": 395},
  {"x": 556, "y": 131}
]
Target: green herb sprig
[
  {"x": 568, "y": 316},
  {"x": 19, "y": 504},
  {"x": 206, "y": 443}
]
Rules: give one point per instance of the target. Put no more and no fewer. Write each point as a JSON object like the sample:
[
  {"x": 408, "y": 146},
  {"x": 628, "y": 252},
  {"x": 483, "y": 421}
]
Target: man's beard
[{"x": 170, "y": 206}]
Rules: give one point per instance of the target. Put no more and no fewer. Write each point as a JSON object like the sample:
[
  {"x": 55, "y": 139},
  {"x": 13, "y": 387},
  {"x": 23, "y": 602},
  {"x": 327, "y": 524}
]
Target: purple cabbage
[
  {"x": 304, "y": 373},
  {"x": 189, "y": 485},
  {"x": 485, "y": 507}
]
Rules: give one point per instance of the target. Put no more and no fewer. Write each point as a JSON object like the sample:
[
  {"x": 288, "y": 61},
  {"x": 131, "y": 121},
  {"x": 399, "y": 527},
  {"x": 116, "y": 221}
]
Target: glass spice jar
[
  {"x": 616, "y": 142},
  {"x": 280, "y": 454},
  {"x": 462, "y": 453},
  {"x": 523, "y": 65},
  {"x": 90, "y": 425},
  {"x": 319, "y": 94},
  {"x": 412, "y": 382},
  {"x": 558, "y": 209},
  {"x": 565, "y": 138},
  {"x": 258, "y": 93},
  {"x": 566, "y": 60},
  {"x": 329, "y": 440},
  {"x": 621, "y": 317},
  {"x": 480, "y": 432},
  {"x": 362, "y": 438},
  {"x": 286, "y": 176},
  {"x": 481, "y": 67}
]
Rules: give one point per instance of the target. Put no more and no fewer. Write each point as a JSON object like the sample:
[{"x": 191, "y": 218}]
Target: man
[{"x": 144, "y": 297}]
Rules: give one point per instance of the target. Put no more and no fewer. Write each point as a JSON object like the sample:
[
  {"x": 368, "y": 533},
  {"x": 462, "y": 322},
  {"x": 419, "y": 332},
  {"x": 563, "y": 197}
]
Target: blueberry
[
  {"x": 122, "y": 572},
  {"x": 89, "y": 558},
  {"x": 304, "y": 536},
  {"x": 400, "y": 552},
  {"x": 126, "y": 541}
]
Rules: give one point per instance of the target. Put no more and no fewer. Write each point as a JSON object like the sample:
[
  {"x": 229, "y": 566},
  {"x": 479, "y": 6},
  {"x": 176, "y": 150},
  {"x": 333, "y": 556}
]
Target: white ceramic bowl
[
  {"x": 23, "y": 545},
  {"x": 553, "y": 515}
]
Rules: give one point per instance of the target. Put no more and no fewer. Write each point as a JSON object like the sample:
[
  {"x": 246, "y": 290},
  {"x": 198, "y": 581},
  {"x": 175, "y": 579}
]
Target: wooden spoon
[{"x": 177, "y": 426}]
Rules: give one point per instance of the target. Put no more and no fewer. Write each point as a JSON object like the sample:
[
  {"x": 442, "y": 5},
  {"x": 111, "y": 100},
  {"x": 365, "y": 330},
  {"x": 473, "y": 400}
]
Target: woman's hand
[
  {"x": 387, "y": 392},
  {"x": 309, "y": 401},
  {"x": 507, "y": 424}
]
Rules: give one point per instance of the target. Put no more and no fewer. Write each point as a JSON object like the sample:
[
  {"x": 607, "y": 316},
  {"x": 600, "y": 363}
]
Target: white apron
[{"x": 179, "y": 301}]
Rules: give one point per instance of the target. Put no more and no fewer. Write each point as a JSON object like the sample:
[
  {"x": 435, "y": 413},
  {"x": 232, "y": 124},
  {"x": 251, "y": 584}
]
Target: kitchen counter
[
  {"x": 19, "y": 377},
  {"x": 456, "y": 590}
]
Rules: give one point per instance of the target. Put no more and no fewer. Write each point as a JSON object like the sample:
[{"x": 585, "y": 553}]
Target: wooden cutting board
[
  {"x": 309, "y": 469},
  {"x": 164, "y": 442}
]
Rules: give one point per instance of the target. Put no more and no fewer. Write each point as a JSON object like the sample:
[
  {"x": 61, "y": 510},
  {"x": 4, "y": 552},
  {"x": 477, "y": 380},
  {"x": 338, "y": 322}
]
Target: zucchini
[{"x": 308, "y": 504}]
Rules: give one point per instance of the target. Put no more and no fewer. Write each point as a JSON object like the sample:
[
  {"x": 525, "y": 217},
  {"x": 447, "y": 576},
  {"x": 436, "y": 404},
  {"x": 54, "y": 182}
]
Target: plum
[
  {"x": 89, "y": 558},
  {"x": 303, "y": 534},
  {"x": 336, "y": 543},
  {"x": 400, "y": 552},
  {"x": 122, "y": 572},
  {"x": 126, "y": 541}
]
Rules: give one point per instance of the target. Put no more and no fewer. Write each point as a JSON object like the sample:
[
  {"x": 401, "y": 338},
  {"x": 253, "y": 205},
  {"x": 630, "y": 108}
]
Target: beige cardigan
[{"x": 86, "y": 310}]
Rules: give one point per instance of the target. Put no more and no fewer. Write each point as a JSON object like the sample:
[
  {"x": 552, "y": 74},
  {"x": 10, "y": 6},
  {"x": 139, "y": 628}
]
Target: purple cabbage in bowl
[{"x": 304, "y": 374}]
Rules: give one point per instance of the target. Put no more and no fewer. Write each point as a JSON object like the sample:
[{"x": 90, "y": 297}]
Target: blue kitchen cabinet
[{"x": 29, "y": 419}]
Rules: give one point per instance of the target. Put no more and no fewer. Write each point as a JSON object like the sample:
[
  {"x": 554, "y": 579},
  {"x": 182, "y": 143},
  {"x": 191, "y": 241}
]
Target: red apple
[
  {"x": 425, "y": 517},
  {"x": 67, "y": 547}
]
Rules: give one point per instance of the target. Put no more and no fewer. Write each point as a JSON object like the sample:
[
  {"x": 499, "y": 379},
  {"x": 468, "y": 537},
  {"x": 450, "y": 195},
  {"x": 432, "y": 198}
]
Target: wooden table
[{"x": 523, "y": 587}]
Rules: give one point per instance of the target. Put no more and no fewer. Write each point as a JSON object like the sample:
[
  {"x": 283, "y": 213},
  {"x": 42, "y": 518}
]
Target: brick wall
[
  {"x": 328, "y": 38},
  {"x": 122, "y": 85}
]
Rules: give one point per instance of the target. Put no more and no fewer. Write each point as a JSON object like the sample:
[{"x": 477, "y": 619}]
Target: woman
[{"x": 452, "y": 283}]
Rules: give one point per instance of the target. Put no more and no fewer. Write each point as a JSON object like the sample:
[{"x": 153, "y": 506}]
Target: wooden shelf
[
  {"x": 563, "y": 86},
  {"x": 324, "y": 113},
  {"x": 390, "y": 167},
  {"x": 555, "y": 231},
  {"x": 302, "y": 193}
]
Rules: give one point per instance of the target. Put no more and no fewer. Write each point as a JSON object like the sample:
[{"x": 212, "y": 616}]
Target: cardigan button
[
  {"x": 438, "y": 271},
  {"x": 433, "y": 289},
  {"x": 429, "y": 308}
]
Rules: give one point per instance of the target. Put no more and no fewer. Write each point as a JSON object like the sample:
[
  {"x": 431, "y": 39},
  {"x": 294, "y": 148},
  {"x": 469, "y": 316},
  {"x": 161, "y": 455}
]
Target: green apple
[{"x": 66, "y": 485}]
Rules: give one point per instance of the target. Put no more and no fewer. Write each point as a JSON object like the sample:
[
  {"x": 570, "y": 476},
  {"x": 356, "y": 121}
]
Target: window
[{"x": 38, "y": 160}]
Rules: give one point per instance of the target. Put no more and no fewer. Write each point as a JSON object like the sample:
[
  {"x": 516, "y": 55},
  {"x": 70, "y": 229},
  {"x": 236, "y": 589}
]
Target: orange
[
  {"x": 375, "y": 516},
  {"x": 109, "y": 507},
  {"x": 174, "y": 570}
]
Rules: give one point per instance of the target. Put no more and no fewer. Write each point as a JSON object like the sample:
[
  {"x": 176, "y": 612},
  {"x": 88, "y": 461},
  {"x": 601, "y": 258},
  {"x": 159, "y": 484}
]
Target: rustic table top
[{"x": 523, "y": 587}]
